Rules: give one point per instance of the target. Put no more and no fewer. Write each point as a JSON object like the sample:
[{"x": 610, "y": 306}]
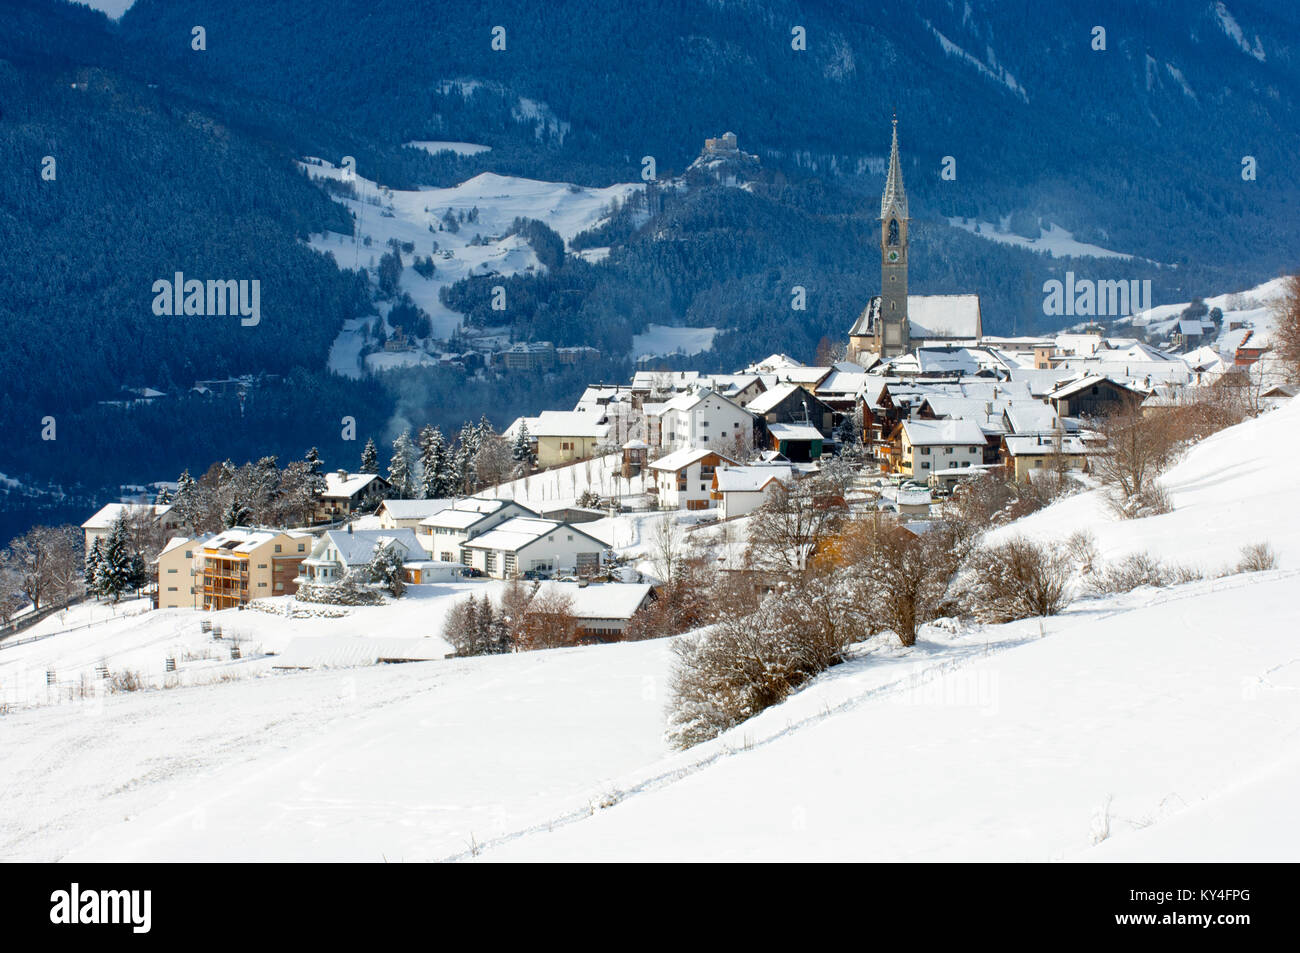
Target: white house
[
  {"x": 741, "y": 490},
  {"x": 684, "y": 478},
  {"x": 702, "y": 418},
  {"x": 929, "y": 445},
  {"x": 339, "y": 551},
  {"x": 407, "y": 514},
  {"x": 445, "y": 533},
  {"x": 529, "y": 543},
  {"x": 152, "y": 518}
]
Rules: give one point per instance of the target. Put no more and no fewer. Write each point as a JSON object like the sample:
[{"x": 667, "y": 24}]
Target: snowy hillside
[
  {"x": 474, "y": 248},
  {"x": 1150, "y": 725},
  {"x": 1253, "y": 309}
]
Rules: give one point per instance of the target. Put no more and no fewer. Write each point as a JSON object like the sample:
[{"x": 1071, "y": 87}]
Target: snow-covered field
[
  {"x": 1158, "y": 724},
  {"x": 435, "y": 146},
  {"x": 659, "y": 339},
  {"x": 383, "y": 214},
  {"x": 1055, "y": 241}
]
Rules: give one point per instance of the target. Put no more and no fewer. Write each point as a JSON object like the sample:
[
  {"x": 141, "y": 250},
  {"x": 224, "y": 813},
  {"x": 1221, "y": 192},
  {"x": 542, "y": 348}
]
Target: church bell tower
[{"x": 892, "y": 332}]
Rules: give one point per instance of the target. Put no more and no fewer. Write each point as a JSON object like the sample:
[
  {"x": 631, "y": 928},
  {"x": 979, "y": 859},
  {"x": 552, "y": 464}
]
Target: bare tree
[
  {"x": 549, "y": 622},
  {"x": 45, "y": 564},
  {"x": 1018, "y": 579},
  {"x": 667, "y": 545},
  {"x": 1138, "y": 448},
  {"x": 1286, "y": 336},
  {"x": 787, "y": 529}
]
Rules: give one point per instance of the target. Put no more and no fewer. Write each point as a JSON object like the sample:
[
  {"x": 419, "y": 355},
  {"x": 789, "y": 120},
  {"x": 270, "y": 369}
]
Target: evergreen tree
[
  {"x": 433, "y": 463},
  {"x": 401, "y": 466},
  {"x": 369, "y": 457},
  {"x": 315, "y": 473},
  {"x": 113, "y": 575},
  {"x": 467, "y": 444},
  {"x": 520, "y": 450},
  {"x": 385, "y": 568},
  {"x": 94, "y": 560},
  {"x": 186, "y": 506},
  {"x": 138, "y": 575}
]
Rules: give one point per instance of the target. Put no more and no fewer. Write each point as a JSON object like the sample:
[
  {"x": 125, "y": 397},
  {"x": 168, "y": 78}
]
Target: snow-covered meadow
[{"x": 1156, "y": 724}]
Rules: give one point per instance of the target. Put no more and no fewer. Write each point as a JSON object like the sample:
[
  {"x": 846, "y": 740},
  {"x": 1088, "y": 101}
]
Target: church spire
[{"x": 894, "y": 194}]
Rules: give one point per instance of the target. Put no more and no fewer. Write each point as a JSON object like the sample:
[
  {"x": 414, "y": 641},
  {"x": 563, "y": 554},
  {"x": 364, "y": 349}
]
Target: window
[
  {"x": 171, "y": 570},
  {"x": 300, "y": 547},
  {"x": 445, "y": 557},
  {"x": 277, "y": 547},
  {"x": 189, "y": 554},
  {"x": 510, "y": 564},
  {"x": 925, "y": 466},
  {"x": 490, "y": 561},
  {"x": 705, "y": 438},
  {"x": 925, "y": 451},
  {"x": 704, "y": 423},
  {"x": 947, "y": 450},
  {"x": 570, "y": 537}
]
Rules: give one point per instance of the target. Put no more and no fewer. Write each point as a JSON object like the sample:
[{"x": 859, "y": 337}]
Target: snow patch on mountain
[
  {"x": 993, "y": 71},
  {"x": 1054, "y": 240},
  {"x": 1232, "y": 29}
]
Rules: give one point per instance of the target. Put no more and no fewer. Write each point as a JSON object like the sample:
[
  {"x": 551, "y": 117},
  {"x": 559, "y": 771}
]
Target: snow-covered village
[{"x": 532, "y": 508}]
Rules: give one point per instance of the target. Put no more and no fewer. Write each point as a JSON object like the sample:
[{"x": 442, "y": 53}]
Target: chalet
[
  {"x": 1092, "y": 396},
  {"x": 684, "y": 479},
  {"x": 793, "y": 404},
  {"x": 530, "y": 543},
  {"x": 348, "y": 493}
]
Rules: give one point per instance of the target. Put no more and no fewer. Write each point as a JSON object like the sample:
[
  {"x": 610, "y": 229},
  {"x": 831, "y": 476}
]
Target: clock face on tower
[{"x": 893, "y": 256}]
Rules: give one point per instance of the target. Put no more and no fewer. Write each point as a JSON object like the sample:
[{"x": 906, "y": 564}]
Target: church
[{"x": 895, "y": 322}]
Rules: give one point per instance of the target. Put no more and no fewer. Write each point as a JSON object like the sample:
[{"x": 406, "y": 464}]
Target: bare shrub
[
  {"x": 1141, "y": 569},
  {"x": 899, "y": 576},
  {"x": 745, "y": 664},
  {"x": 1257, "y": 557},
  {"x": 1138, "y": 448},
  {"x": 549, "y": 622},
  {"x": 1081, "y": 546},
  {"x": 1016, "y": 580},
  {"x": 125, "y": 681}
]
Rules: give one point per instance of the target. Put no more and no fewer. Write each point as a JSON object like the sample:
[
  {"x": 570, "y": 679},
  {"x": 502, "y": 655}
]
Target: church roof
[{"x": 931, "y": 317}]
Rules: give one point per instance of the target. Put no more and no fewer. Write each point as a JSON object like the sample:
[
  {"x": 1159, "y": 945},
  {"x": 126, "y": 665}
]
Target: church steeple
[
  {"x": 894, "y": 196},
  {"x": 892, "y": 330}
]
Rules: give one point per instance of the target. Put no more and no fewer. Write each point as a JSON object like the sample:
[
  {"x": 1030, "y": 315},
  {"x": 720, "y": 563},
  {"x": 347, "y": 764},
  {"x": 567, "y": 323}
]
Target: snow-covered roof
[
  {"x": 931, "y": 433},
  {"x": 794, "y": 432},
  {"x": 679, "y": 459},
  {"x": 340, "y": 485},
  {"x": 463, "y": 513},
  {"x": 946, "y": 317},
  {"x": 1042, "y": 445},
  {"x": 514, "y": 534},
  {"x": 108, "y": 514},
  {"x": 773, "y": 362},
  {"x": 358, "y": 547},
  {"x": 751, "y": 479},
  {"x": 608, "y": 600},
  {"x": 771, "y": 398},
  {"x": 1031, "y": 416},
  {"x": 414, "y": 509},
  {"x": 1083, "y": 383},
  {"x": 567, "y": 423},
  {"x": 241, "y": 539}
]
